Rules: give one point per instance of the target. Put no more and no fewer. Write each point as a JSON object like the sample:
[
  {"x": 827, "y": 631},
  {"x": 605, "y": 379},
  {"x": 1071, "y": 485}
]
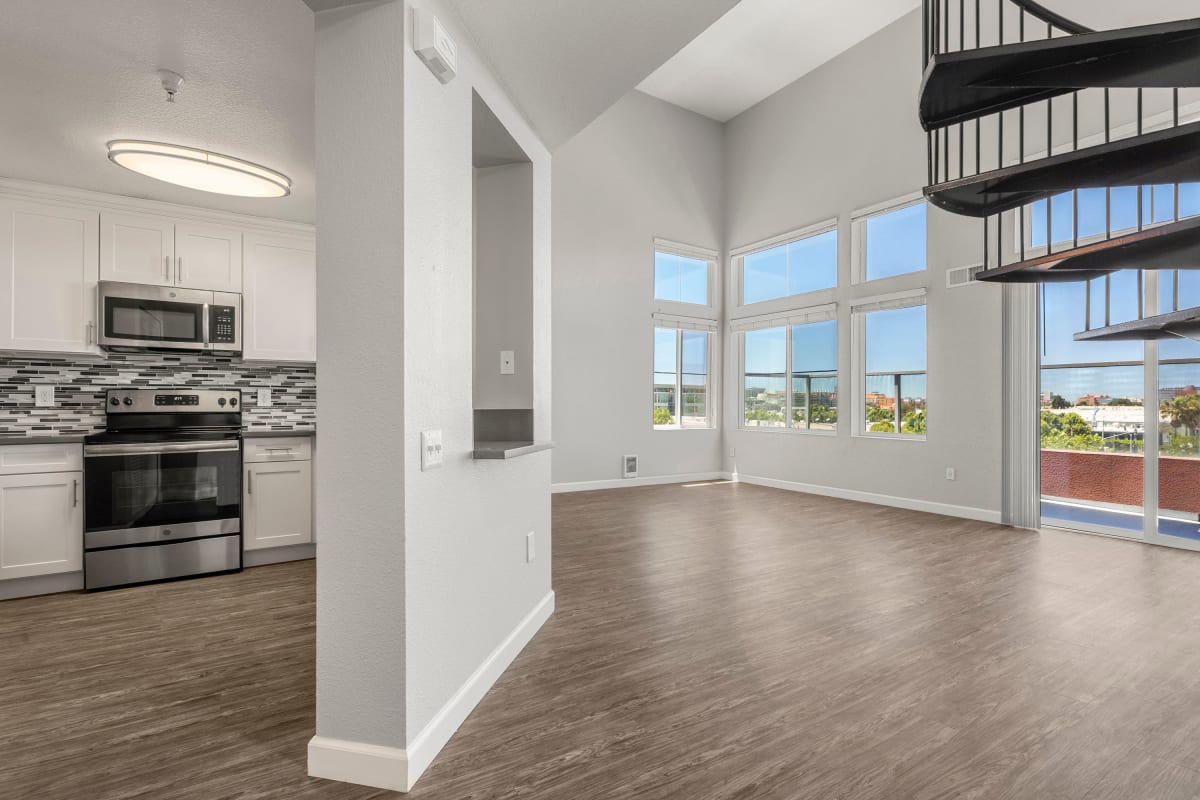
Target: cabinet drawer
[
  {"x": 28, "y": 459},
  {"x": 288, "y": 448}
]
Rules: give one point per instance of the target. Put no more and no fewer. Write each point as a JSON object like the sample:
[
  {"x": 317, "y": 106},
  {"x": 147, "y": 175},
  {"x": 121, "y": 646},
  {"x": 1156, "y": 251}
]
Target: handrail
[{"x": 1050, "y": 17}]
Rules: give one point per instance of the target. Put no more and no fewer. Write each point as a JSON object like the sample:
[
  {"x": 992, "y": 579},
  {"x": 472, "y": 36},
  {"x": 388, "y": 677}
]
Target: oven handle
[{"x": 153, "y": 448}]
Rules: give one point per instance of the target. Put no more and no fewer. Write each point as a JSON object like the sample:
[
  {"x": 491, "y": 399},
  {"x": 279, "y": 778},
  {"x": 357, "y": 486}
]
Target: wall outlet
[
  {"x": 529, "y": 547},
  {"x": 431, "y": 450},
  {"x": 264, "y": 397},
  {"x": 43, "y": 396},
  {"x": 950, "y": 475},
  {"x": 733, "y": 452},
  {"x": 508, "y": 362}
]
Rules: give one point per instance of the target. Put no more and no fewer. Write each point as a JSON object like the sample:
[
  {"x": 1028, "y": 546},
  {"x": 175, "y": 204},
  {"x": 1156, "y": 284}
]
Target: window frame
[
  {"x": 737, "y": 266},
  {"x": 825, "y": 312},
  {"x": 710, "y": 257},
  {"x": 859, "y": 309},
  {"x": 858, "y": 238},
  {"x": 679, "y": 325}
]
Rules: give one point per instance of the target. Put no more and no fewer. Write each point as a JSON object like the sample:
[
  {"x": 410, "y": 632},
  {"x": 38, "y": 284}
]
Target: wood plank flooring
[{"x": 711, "y": 641}]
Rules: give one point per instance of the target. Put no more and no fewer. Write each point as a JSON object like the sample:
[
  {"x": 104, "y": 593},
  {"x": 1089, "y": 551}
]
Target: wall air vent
[
  {"x": 631, "y": 467},
  {"x": 962, "y": 276}
]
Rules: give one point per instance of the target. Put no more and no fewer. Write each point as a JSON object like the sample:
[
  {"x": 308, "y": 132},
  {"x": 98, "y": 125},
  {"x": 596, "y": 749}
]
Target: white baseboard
[
  {"x": 396, "y": 769},
  {"x": 626, "y": 483},
  {"x": 945, "y": 509}
]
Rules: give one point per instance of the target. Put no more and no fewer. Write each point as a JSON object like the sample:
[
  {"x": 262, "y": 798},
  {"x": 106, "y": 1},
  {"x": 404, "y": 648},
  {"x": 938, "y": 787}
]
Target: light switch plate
[
  {"x": 431, "y": 450},
  {"x": 43, "y": 396},
  {"x": 529, "y": 550},
  {"x": 264, "y": 397},
  {"x": 508, "y": 362}
]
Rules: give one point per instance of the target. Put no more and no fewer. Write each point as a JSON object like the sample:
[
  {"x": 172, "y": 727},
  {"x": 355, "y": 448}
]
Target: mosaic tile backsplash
[{"x": 80, "y": 384}]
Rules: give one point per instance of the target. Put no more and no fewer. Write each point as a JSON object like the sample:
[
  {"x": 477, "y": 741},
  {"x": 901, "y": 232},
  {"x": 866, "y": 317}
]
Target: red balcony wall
[{"x": 1117, "y": 478}]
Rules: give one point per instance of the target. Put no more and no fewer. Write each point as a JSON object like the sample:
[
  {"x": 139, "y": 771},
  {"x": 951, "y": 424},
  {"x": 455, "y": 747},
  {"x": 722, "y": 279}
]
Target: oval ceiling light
[{"x": 198, "y": 169}]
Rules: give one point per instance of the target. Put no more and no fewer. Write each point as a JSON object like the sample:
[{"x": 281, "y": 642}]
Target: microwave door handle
[
  {"x": 167, "y": 268},
  {"x": 204, "y": 324}
]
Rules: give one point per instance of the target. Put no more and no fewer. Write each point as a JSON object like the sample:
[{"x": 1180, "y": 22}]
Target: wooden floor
[{"x": 718, "y": 641}]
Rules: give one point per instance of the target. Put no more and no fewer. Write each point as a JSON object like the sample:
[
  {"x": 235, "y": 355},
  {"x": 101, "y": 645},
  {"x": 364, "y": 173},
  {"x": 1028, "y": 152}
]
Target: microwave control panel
[{"x": 223, "y": 325}]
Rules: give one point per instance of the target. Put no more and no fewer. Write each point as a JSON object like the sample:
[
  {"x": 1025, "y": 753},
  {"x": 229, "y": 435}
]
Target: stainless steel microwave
[{"x": 135, "y": 316}]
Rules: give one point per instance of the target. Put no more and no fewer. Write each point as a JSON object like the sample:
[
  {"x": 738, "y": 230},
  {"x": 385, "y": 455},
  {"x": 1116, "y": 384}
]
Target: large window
[
  {"x": 1101, "y": 211},
  {"x": 681, "y": 378},
  {"x": 789, "y": 375},
  {"x": 796, "y": 263},
  {"x": 683, "y": 274},
  {"x": 890, "y": 241},
  {"x": 892, "y": 367}
]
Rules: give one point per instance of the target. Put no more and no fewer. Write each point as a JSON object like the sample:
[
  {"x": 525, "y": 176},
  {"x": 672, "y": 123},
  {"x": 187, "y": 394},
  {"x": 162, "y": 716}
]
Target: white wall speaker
[{"x": 434, "y": 45}]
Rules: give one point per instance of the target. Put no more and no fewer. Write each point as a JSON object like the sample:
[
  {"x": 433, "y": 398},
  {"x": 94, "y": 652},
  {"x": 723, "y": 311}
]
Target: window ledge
[
  {"x": 790, "y": 431},
  {"x": 677, "y": 428},
  {"x": 898, "y": 437}
]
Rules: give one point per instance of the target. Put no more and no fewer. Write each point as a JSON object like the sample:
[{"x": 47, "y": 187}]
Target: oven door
[
  {"x": 135, "y": 316},
  {"x": 161, "y": 491}
]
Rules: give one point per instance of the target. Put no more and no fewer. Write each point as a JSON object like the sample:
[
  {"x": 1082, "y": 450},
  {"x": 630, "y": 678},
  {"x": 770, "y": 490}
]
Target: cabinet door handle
[
  {"x": 167, "y": 268},
  {"x": 249, "y": 482},
  {"x": 74, "y": 493},
  {"x": 91, "y": 332},
  {"x": 179, "y": 270}
]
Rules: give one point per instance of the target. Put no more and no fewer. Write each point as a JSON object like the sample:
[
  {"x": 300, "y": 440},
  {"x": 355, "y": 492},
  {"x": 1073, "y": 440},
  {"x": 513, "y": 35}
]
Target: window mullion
[
  {"x": 787, "y": 372},
  {"x": 679, "y": 376}
]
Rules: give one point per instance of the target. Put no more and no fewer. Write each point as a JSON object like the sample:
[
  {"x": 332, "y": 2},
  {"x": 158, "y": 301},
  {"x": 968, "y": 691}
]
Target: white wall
[
  {"x": 644, "y": 169},
  {"x": 504, "y": 285},
  {"x": 467, "y": 582},
  {"x": 423, "y": 579},
  {"x": 843, "y": 138}
]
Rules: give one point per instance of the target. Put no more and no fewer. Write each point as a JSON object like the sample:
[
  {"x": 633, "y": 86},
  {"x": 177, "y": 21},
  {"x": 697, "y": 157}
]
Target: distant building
[
  {"x": 1171, "y": 392},
  {"x": 880, "y": 400},
  {"x": 1094, "y": 400}
]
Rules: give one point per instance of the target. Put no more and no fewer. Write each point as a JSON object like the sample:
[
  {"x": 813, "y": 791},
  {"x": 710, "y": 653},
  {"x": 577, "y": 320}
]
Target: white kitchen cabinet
[
  {"x": 48, "y": 270},
  {"x": 41, "y": 524},
  {"x": 279, "y": 304},
  {"x": 277, "y": 507},
  {"x": 161, "y": 251},
  {"x": 137, "y": 249},
  {"x": 208, "y": 257}
]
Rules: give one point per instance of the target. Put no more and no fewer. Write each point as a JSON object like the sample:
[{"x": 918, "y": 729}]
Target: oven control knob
[
  {"x": 128, "y": 401},
  {"x": 114, "y": 401},
  {"x": 220, "y": 401},
  {"x": 233, "y": 401}
]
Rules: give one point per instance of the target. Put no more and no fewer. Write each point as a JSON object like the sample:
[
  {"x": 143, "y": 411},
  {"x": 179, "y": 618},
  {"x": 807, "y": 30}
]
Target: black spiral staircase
[{"x": 1023, "y": 106}]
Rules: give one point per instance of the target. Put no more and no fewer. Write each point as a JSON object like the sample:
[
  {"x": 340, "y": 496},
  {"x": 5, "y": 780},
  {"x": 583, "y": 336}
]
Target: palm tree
[{"x": 1183, "y": 411}]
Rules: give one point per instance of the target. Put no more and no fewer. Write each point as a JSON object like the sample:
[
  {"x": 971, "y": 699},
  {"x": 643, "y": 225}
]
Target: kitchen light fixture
[{"x": 198, "y": 169}]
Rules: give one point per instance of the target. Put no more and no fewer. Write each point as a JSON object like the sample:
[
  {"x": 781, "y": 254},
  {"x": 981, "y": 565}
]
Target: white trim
[
  {"x": 433, "y": 737},
  {"x": 398, "y": 769},
  {"x": 65, "y": 195},
  {"x": 889, "y": 301},
  {"x": 686, "y": 250},
  {"x": 816, "y": 229},
  {"x": 358, "y": 762},
  {"x": 894, "y": 204},
  {"x": 911, "y": 504},
  {"x": 679, "y": 322},
  {"x": 800, "y": 316},
  {"x": 627, "y": 483}
]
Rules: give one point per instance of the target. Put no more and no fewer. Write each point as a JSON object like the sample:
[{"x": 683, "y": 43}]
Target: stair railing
[{"x": 957, "y": 150}]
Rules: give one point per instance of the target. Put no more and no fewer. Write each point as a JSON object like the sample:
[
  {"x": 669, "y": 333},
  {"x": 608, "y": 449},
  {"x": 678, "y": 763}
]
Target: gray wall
[
  {"x": 467, "y": 582},
  {"x": 842, "y": 138},
  {"x": 504, "y": 285},
  {"x": 644, "y": 169}
]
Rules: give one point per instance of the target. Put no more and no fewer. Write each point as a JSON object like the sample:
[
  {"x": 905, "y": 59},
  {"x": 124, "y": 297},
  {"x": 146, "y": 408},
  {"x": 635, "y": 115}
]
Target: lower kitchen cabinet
[
  {"x": 277, "y": 507},
  {"x": 41, "y": 524}
]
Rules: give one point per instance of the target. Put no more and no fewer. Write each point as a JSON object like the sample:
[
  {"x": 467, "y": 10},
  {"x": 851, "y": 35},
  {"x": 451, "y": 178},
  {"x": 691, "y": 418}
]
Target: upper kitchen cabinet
[
  {"x": 48, "y": 268},
  {"x": 208, "y": 257},
  {"x": 162, "y": 252},
  {"x": 279, "y": 304}
]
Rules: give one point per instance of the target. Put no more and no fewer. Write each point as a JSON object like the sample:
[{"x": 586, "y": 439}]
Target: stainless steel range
[{"x": 163, "y": 487}]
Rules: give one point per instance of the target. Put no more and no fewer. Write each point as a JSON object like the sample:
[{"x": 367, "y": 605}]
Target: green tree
[
  {"x": 1074, "y": 425},
  {"x": 883, "y": 427},
  {"x": 1058, "y": 401},
  {"x": 914, "y": 422},
  {"x": 880, "y": 414},
  {"x": 662, "y": 416},
  {"x": 1123, "y": 401},
  {"x": 1183, "y": 411}
]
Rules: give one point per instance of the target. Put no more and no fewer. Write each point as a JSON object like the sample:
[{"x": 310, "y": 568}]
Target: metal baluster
[
  {"x": 1074, "y": 218},
  {"x": 962, "y": 24},
  {"x": 961, "y": 149},
  {"x": 925, "y": 34},
  {"x": 977, "y": 45},
  {"x": 1175, "y": 290},
  {"x": 1107, "y": 298},
  {"x": 1075, "y": 120},
  {"x": 1107, "y": 133},
  {"x": 1000, "y": 10},
  {"x": 1087, "y": 305},
  {"x": 1175, "y": 106},
  {"x": 987, "y": 256},
  {"x": 1139, "y": 205},
  {"x": 1139, "y": 111},
  {"x": 946, "y": 26},
  {"x": 1021, "y": 227},
  {"x": 1141, "y": 298}
]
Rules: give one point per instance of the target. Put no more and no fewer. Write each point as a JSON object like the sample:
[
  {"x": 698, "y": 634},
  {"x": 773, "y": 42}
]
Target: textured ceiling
[
  {"x": 565, "y": 62},
  {"x": 75, "y": 74},
  {"x": 763, "y": 45}
]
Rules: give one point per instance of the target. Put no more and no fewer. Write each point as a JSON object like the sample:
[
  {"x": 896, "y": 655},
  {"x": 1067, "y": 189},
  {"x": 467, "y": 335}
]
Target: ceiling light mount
[
  {"x": 172, "y": 82},
  {"x": 198, "y": 169}
]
